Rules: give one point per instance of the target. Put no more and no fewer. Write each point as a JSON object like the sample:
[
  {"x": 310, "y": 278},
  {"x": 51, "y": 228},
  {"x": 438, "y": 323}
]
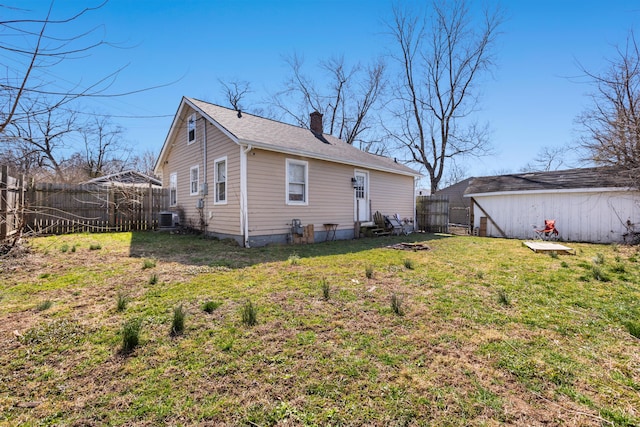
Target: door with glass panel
[{"x": 361, "y": 195}]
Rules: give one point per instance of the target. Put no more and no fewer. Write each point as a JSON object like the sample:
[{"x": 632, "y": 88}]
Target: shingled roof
[
  {"x": 267, "y": 134},
  {"x": 591, "y": 178}
]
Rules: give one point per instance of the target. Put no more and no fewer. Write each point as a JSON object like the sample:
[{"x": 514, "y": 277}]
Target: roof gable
[
  {"x": 572, "y": 179},
  {"x": 259, "y": 132}
]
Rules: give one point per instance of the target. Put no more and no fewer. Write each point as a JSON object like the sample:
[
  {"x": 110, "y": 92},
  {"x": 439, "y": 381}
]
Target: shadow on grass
[{"x": 197, "y": 250}]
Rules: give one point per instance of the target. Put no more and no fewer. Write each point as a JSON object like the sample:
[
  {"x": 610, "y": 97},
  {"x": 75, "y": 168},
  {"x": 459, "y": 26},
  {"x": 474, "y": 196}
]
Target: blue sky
[{"x": 530, "y": 101}]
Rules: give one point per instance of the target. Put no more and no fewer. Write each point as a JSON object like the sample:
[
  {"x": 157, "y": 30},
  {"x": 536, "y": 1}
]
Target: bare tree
[
  {"x": 548, "y": 159},
  {"x": 611, "y": 126},
  {"x": 441, "y": 62},
  {"x": 347, "y": 100},
  {"x": 234, "y": 92},
  {"x": 104, "y": 148},
  {"x": 42, "y": 135},
  {"x": 144, "y": 162},
  {"x": 31, "y": 51},
  {"x": 32, "y": 47}
]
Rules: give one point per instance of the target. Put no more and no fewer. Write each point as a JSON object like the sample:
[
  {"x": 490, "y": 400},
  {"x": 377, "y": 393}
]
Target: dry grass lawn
[{"x": 480, "y": 332}]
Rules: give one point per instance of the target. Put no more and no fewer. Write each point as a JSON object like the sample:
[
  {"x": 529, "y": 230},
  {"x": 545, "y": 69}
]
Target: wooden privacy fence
[
  {"x": 432, "y": 213},
  {"x": 66, "y": 208},
  {"x": 47, "y": 208}
]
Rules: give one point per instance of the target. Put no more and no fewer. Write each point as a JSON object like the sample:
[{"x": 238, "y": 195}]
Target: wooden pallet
[{"x": 547, "y": 247}]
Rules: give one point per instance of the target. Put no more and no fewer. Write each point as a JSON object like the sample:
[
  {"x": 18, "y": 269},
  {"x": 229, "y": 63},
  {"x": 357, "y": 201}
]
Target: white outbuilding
[{"x": 598, "y": 205}]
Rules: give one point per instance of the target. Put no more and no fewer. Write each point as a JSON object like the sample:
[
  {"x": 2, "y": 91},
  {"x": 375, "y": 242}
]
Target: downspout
[
  {"x": 204, "y": 154},
  {"x": 244, "y": 206},
  {"x": 416, "y": 180}
]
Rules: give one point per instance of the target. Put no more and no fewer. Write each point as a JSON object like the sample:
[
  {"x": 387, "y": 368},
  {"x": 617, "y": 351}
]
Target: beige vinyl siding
[
  {"x": 391, "y": 194},
  {"x": 181, "y": 157},
  {"x": 330, "y": 194},
  {"x": 225, "y": 217}
]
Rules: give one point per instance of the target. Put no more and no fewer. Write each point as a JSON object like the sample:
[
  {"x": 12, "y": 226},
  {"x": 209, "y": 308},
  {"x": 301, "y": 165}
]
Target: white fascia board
[
  {"x": 157, "y": 168},
  {"x": 268, "y": 147},
  {"x": 553, "y": 191},
  {"x": 213, "y": 122}
]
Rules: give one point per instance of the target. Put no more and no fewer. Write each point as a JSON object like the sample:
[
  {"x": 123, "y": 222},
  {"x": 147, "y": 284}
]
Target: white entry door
[{"x": 361, "y": 191}]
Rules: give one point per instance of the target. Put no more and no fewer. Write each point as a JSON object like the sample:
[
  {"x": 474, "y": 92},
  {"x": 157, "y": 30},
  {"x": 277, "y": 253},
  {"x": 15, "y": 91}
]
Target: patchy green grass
[{"x": 491, "y": 333}]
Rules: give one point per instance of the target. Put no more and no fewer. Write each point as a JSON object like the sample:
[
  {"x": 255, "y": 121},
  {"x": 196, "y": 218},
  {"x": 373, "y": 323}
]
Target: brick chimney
[{"x": 316, "y": 122}]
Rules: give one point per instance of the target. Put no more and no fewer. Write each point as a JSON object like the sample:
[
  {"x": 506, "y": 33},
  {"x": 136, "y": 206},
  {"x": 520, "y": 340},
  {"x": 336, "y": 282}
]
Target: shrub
[
  {"x": 598, "y": 259},
  {"x": 210, "y": 306},
  {"x": 619, "y": 268},
  {"x": 249, "y": 316},
  {"x": 121, "y": 302},
  {"x": 294, "y": 259},
  {"x": 73, "y": 248},
  {"x": 153, "y": 279},
  {"x": 45, "y": 305},
  {"x": 553, "y": 254},
  {"x": 64, "y": 248},
  {"x": 396, "y": 304},
  {"x": 368, "y": 271},
  {"x": 408, "y": 264},
  {"x": 95, "y": 247},
  {"x": 326, "y": 289},
  {"x": 130, "y": 335},
  {"x": 598, "y": 274},
  {"x": 633, "y": 328},
  {"x": 503, "y": 298},
  {"x": 177, "y": 325},
  {"x": 148, "y": 263}
]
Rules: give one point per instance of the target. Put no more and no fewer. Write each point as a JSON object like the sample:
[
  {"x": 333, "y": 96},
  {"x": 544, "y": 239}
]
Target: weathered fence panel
[
  {"x": 11, "y": 198},
  {"x": 68, "y": 208},
  {"x": 432, "y": 213},
  {"x": 47, "y": 208}
]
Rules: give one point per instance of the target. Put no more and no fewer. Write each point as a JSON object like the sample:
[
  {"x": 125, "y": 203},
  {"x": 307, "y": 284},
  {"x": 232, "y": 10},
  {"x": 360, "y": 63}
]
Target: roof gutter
[{"x": 552, "y": 191}]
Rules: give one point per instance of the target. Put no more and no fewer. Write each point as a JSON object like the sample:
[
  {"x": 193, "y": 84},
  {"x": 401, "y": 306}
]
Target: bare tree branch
[
  {"x": 611, "y": 126},
  {"x": 347, "y": 100},
  {"x": 441, "y": 61}
]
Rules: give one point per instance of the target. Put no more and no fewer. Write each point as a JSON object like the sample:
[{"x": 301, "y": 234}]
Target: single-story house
[
  {"x": 598, "y": 205},
  {"x": 260, "y": 181}
]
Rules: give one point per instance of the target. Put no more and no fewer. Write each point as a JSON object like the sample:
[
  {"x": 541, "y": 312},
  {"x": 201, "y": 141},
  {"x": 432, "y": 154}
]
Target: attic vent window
[{"x": 191, "y": 128}]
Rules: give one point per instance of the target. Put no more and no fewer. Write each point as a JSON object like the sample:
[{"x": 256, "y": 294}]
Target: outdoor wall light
[{"x": 354, "y": 182}]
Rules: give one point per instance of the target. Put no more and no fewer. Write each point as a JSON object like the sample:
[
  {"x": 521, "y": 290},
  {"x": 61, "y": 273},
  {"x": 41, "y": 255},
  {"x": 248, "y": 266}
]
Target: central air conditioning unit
[{"x": 168, "y": 220}]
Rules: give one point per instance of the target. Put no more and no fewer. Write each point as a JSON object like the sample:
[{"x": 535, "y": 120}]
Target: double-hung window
[
  {"x": 220, "y": 176},
  {"x": 173, "y": 189},
  {"x": 297, "y": 182},
  {"x": 194, "y": 182},
  {"x": 191, "y": 128}
]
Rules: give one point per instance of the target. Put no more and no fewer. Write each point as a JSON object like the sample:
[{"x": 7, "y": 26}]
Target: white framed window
[
  {"x": 194, "y": 180},
  {"x": 220, "y": 180},
  {"x": 173, "y": 189},
  {"x": 297, "y": 182},
  {"x": 191, "y": 128}
]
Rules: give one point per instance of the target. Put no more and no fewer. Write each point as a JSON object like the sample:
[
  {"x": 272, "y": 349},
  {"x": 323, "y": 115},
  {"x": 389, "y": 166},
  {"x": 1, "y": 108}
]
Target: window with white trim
[
  {"x": 191, "y": 128},
  {"x": 173, "y": 189},
  {"x": 220, "y": 177},
  {"x": 297, "y": 182},
  {"x": 194, "y": 181}
]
